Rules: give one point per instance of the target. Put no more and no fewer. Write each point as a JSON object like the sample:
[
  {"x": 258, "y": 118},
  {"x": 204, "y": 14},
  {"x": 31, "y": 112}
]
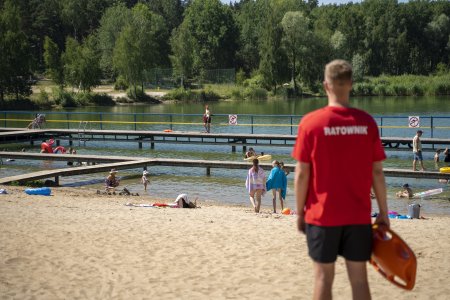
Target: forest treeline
[{"x": 269, "y": 42}]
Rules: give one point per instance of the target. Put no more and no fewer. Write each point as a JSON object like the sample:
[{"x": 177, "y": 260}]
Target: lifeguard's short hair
[{"x": 338, "y": 69}]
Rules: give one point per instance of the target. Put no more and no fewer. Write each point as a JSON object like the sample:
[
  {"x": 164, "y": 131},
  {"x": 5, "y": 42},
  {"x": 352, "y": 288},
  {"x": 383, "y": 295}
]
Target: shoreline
[{"x": 77, "y": 244}]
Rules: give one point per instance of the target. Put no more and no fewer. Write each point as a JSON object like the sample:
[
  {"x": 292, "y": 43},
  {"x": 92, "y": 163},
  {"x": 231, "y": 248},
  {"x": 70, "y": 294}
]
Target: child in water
[
  {"x": 406, "y": 192},
  {"x": 144, "y": 179}
]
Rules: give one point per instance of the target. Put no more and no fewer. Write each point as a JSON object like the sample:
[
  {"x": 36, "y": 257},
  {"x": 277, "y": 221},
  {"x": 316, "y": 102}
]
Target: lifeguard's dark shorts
[{"x": 325, "y": 243}]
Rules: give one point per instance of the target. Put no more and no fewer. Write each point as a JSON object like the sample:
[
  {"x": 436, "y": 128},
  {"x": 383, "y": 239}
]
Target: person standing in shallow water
[
  {"x": 417, "y": 150},
  {"x": 256, "y": 184}
]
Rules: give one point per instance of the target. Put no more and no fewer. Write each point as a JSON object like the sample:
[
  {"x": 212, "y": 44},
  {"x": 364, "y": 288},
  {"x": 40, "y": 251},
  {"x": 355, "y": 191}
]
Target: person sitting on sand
[
  {"x": 111, "y": 181},
  {"x": 250, "y": 153},
  {"x": 183, "y": 202},
  {"x": 406, "y": 192}
]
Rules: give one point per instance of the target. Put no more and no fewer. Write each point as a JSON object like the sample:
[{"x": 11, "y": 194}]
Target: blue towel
[{"x": 277, "y": 180}]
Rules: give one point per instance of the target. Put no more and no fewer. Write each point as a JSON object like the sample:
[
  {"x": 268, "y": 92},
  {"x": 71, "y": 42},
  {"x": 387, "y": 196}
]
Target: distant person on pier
[
  {"x": 417, "y": 150},
  {"x": 207, "y": 119},
  {"x": 256, "y": 184}
]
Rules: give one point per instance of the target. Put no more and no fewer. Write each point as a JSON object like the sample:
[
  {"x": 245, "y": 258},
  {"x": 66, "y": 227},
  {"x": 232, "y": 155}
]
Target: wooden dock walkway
[
  {"x": 14, "y": 135},
  {"x": 131, "y": 163}
]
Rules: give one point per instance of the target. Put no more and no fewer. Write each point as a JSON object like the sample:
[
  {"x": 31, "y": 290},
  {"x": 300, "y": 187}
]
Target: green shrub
[
  {"x": 124, "y": 100},
  {"x": 399, "y": 90},
  {"x": 43, "y": 100},
  {"x": 63, "y": 98},
  {"x": 102, "y": 100},
  {"x": 255, "y": 81},
  {"x": 83, "y": 99},
  {"x": 121, "y": 83},
  {"x": 415, "y": 90},
  {"x": 240, "y": 77},
  {"x": 237, "y": 93},
  {"x": 255, "y": 93},
  {"x": 21, "y": 103},
  {"x": 189, "y": 95}
]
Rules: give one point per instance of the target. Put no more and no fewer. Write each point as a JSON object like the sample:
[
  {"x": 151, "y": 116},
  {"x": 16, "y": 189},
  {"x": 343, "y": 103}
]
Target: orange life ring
[{"x": 168, "y": 130}]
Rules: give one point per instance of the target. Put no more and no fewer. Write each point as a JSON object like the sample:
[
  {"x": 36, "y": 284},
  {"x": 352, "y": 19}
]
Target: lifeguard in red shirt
[{"x": 339, "y": 156}]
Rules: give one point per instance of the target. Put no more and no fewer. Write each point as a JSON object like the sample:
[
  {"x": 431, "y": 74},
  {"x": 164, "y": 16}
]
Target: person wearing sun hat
[
  {"x": 111, "y": 181},
  {"x": 144, "y": 179}
]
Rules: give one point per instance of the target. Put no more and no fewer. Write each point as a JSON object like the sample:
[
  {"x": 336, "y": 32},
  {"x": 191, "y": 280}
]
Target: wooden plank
[
  {"x": 76, "y": 171},
  {"x": 191, "y": 163},
  {"x": 66, "y": 157}
]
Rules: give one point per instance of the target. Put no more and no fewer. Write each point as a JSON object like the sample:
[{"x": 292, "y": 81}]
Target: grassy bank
[{"x": 405, "y": 85}]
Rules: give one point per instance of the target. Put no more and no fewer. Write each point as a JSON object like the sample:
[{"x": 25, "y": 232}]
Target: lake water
[{"x": 227, "y": 186}]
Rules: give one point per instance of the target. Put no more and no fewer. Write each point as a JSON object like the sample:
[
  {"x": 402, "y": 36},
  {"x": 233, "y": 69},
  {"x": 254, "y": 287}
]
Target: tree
[
  {"x": 137, "y": 48},
  {"x": 81, "y": 64},
  {"x": 182, "y": 44},
  {"x": 296, "y": 37},
  {"x": 52, "y": 59},
  {"x": 15, "y": 58},
  {"x": 112, "y": 22},
  {"x": 214, "y": 32}
]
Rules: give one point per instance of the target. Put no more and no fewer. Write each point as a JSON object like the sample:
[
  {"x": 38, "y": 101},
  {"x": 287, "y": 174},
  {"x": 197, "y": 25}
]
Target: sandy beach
[{"x": 76, "y": 244}]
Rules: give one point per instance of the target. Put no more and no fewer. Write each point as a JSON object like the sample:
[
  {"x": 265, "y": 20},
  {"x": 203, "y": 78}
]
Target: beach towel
[
  {"x": 256, "y": 180},
  {"x": 277, "y": 180}
]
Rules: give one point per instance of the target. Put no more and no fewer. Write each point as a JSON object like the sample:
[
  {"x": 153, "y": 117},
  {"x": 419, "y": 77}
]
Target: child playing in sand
[
  {"x": 111, "y": 182},
  {"x": 144, "y": 179}
]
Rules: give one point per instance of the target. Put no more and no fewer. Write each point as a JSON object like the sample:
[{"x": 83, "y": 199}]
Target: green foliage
[
  {"x": 405, "y": 85},
  {"x": 52, "y": 59},
  {"x": 121, "y": 83},
  {"x": 209, "y": 33},
  {"x": 136, "y": 48},
  {"x": 43, "y": 100},
  {"x": 63, "y": 98},
  {"x": 102, "y": 100},
  {"x": 255, "y": 93},
  {"x": 15, "y": 58},
  {"x": 81, "y": 64},
  {"x": 240, "y": 77},
  {"x": 190, "y": 95},
  {"x": 112, "y": 22}
]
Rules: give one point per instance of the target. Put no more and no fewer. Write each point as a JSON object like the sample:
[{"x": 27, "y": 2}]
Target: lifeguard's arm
[
  {"x": 301, "y": 182},
  {"x": 379, "y": 187}
]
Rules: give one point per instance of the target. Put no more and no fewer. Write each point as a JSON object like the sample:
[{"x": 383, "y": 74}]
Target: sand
[{"x": 80, "y": 245}]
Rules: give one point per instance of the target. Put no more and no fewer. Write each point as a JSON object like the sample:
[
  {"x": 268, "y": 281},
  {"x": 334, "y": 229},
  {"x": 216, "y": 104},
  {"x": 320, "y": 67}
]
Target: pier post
[
  {"x": 70, "y": 142},
  {"x": 140, "y": 145},
  {"x": 152, "y": 145},
  {"x": 57, "y": 180},
  {"x": 58, "y": 142},
  {"x": 208, "y": 171},
  {"x": 233, "y": 148},
  {"x": 244, "y": 149}
]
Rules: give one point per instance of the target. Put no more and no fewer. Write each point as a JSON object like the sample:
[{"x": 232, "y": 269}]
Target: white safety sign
[
  {"x": 413, "y": 121},
  {"x": 232, "y": 120}
]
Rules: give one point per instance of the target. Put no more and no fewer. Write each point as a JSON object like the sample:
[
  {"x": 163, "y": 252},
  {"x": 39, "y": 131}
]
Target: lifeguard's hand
[
  {"x": 301, "y": 222},
  {"x": 383, "y": 219}
]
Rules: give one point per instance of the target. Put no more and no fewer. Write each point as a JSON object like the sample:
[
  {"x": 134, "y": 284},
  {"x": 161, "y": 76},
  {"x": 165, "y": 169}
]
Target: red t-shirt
[{"x": 341, "y": 144}]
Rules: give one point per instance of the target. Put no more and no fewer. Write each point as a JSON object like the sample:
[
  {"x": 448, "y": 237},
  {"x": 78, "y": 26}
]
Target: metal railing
[{"x": 390, "y": 126}]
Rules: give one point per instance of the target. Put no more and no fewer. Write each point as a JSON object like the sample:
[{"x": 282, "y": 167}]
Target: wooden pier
[
  {"x": 108, "y": 163},
  {"x": 17, "y": 135}
]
